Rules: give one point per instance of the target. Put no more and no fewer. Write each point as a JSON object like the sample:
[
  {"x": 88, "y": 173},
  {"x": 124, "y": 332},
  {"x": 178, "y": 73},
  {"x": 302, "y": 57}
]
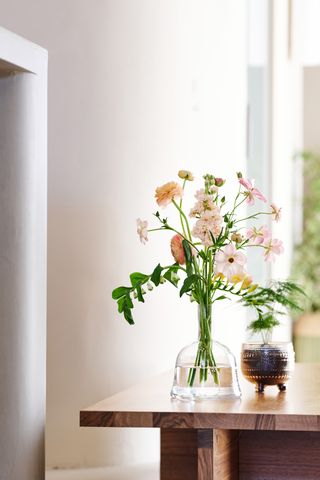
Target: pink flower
[
  {"x": 257, "y": 236},
  {"x": 142, "y": 230},
  {"x": 177, "y": 249},
  {"x": 168, "y": 192},
  {"x": 205, "y": 203},
  {"x": 276, "y": 212},
  {"x": 251, "y": 192},
  {"x": 272, "y": 247},
  {"x": 208, "y": 224},
  {"x": 230, "y": 262}
]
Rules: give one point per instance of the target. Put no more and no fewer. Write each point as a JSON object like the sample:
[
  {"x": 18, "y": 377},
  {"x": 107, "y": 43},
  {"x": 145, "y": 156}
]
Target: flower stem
[{"x": 184, "y": 217}]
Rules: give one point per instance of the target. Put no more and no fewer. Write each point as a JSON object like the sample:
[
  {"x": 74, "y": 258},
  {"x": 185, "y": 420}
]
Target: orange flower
[
  {"x": 177, "y": 249},
  {"x": 167, "y": 192}
]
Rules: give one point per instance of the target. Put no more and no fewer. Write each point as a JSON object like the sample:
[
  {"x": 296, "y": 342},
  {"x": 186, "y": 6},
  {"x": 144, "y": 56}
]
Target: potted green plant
[{"x": 267, "y": 362}]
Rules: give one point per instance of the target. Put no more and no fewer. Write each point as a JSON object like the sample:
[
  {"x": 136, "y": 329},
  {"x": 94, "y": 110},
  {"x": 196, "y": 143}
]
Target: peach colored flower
[
  {"x": 276, "y": 212},
  {"x": 230, "y": 261},
  {"x": 186, "y": 175},
  {"x": 142, "y": 230},
  {"x": 177, "y": 249},
  {"x": 168, "y": 192},
  {"x": 273, "y": 247},
  {"x": 251, "y": 192}
]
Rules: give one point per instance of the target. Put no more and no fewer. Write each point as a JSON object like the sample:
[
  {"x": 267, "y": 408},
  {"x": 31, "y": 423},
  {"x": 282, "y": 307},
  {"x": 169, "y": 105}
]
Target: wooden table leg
[{"x": 199, "y": 454}]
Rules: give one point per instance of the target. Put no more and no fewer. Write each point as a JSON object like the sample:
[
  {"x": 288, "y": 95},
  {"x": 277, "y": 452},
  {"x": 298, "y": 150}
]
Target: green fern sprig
[{"x": 270, "y": 302}]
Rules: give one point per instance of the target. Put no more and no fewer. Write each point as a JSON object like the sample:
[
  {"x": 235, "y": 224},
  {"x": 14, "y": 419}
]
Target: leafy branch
[{"x": 123, "y": 295}]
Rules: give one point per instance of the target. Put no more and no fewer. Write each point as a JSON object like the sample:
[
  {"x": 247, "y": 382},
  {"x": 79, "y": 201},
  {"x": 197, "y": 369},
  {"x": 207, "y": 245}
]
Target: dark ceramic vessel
[{"x": 267, "y": 364}]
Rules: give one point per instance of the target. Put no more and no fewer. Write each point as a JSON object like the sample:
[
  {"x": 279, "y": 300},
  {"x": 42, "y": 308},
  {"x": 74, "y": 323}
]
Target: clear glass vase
[{"x": 205, "y": 369}]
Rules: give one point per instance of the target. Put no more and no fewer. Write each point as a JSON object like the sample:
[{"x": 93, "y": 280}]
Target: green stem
[
  {"x": 184, "y": 217},
  {"x": 167, "y": 227},
  {"x": 255, "y": 215}
]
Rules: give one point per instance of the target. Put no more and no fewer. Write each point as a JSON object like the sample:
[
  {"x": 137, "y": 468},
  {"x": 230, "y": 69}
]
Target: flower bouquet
[{"x": 208, "y": 250}]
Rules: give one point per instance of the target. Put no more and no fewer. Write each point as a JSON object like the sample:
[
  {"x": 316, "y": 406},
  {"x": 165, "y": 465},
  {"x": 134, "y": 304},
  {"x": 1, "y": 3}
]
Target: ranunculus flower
[
  {"x": 273, "y": 247},
  {"x": 251, "y": 192},
  {"x": 276, "y": 212},
  {"x": 142, "y": 230},
  {"x": 257, "y": 236},
  {"x": 186, "y": 175},
  {"x": 230, "y": 261},
  {"x": 168, "y": 192},
  {"x": 177, "y": 249}
]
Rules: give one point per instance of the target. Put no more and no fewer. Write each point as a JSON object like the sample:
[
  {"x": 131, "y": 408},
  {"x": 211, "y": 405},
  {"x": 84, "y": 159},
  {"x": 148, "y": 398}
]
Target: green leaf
[
  {"x": 139, "y": 293},
  {"x": 156, "y": 274},
  {"x": 222, "y": 297},
  {"x": 120, "y": 292},
  {"x": 212, "y": 237},
  {"x": 187, "y": 284},
  {"x": 187, "y": 250},
  {"x": 121, "y": 304},
  {"x": 138, "y": 278},
  {"x": 172, "y": 276},
  {"x": 203, "y": 255},
  {"x": 188, "y": 255},
  {"x": 124, "y": 301},
  {"x": 128, "y": 315}
]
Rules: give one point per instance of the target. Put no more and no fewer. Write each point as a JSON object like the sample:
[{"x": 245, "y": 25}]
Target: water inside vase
[{"x": 204, "y": 384}]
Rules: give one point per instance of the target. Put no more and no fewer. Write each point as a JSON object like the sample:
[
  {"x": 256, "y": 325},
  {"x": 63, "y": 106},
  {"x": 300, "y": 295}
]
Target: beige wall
[{"x": 137, "y": 90}]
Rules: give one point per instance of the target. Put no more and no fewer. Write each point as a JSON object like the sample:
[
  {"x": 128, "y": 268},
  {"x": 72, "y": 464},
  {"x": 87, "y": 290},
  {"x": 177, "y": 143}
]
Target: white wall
[
  {"x": 23, "y": 258},
  {"x": 137, "y": 90}
]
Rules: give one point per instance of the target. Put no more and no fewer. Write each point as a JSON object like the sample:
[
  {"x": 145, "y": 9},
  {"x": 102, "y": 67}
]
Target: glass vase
[{"x": 205, "y": 369}]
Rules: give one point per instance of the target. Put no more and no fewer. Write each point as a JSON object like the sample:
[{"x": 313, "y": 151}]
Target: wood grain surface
[
  {"x": 191, "y": 454},
  {"x": 149, "y": 405},
  {"x": 279, "y": 455}
]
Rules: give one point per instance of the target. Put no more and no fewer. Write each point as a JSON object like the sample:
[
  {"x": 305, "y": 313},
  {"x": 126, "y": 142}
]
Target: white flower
[
  {"x": 142, "y": 230},
  {"x": 230, "y": 262}
]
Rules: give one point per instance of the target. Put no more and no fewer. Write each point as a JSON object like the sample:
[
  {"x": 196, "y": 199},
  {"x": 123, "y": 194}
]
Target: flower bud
[
  {"x": 237, "y": 237},
  {"x": 186, "y": 175},
  {"x": 239, "y": 174},
  {"x": 219, "y": 182}
]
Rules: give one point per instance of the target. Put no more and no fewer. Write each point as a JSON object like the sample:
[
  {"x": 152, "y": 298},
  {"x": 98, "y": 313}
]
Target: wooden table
[{"x": 269, "y": 436}]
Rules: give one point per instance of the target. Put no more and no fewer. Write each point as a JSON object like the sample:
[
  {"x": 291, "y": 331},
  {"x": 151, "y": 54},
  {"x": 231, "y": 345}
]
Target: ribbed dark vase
[{"x": 267, "y": 364}]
